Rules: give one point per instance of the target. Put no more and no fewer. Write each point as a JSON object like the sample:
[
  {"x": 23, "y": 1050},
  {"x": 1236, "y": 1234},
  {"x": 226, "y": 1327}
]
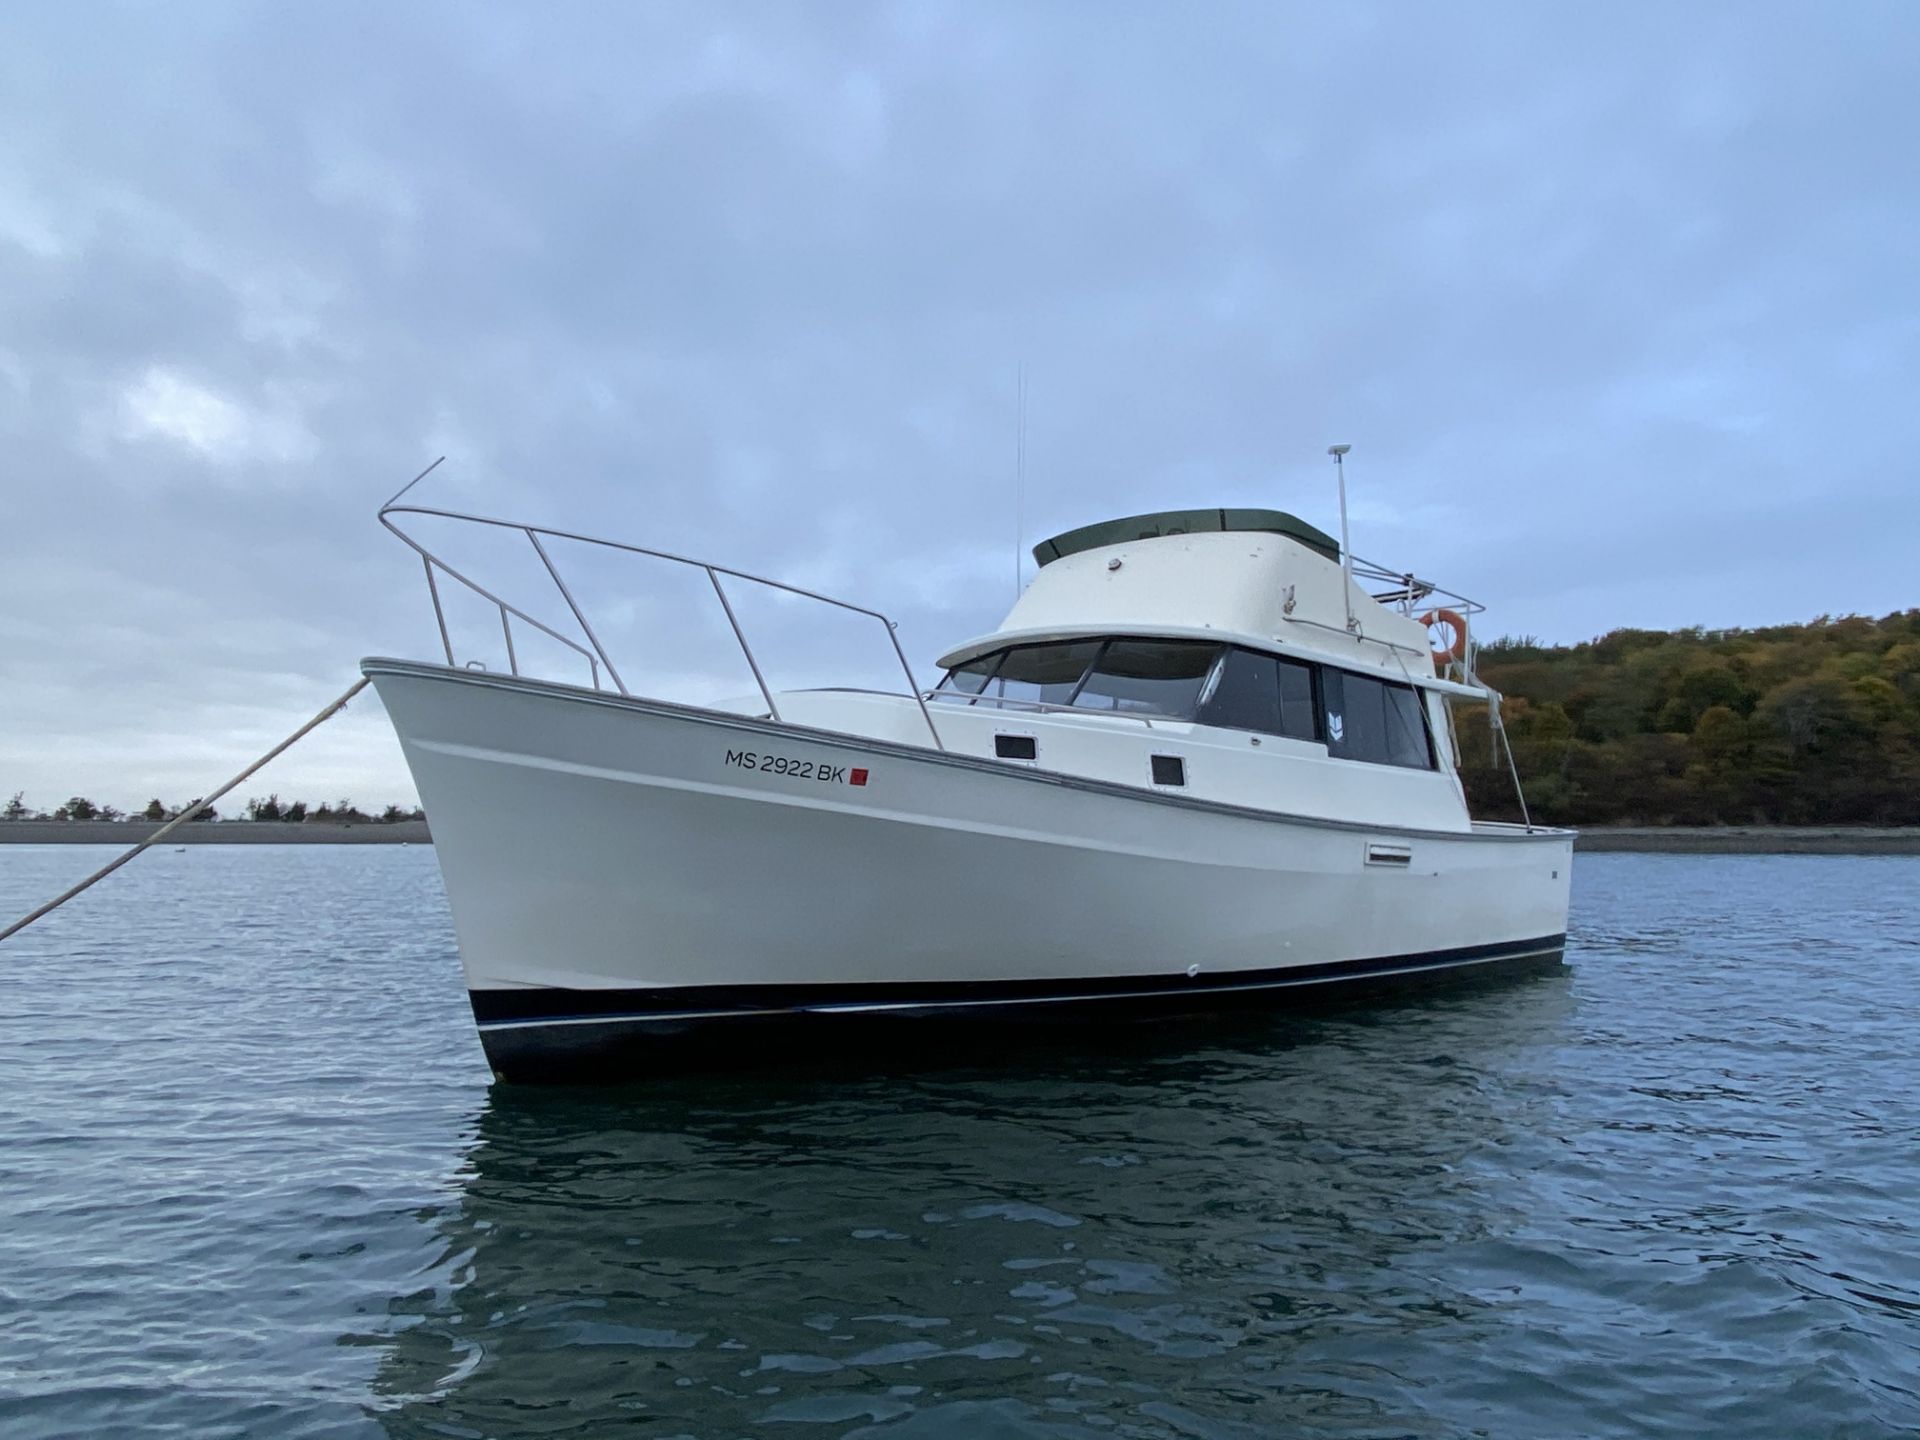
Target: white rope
[{"x": 185, "y": 815}]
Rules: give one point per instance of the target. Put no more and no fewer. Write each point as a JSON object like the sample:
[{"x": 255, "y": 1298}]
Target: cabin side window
[
  {"x": 1374, "y": 720},
  {"x": 1148, "y": 677},
  {"x": 1299, "y": 716},
  {"x": 1262, "y": 693}
]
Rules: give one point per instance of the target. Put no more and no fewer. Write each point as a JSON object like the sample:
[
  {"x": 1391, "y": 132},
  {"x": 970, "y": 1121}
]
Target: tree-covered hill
[{"x": 1815, "y": 724}]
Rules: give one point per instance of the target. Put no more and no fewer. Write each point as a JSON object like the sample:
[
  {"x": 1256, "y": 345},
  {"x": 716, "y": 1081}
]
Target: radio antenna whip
[{"x": 1019, "y": 480}]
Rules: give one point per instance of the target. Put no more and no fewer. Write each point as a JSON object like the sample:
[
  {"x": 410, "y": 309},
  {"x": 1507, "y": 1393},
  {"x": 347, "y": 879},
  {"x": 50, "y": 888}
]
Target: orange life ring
[{"x": 1458, "y": 622}]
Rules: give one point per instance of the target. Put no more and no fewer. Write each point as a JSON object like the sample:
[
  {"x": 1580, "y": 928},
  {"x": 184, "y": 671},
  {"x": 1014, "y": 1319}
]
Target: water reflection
[{"x": 1196, "y": 1231}]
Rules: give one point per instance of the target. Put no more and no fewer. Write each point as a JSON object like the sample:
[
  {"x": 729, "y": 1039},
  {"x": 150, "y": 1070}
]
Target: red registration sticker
[{"x": 856, "y": 776}]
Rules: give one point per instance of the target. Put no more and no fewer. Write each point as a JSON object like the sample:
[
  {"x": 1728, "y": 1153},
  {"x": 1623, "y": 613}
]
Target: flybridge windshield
[{"x": 1357, "y": 717}]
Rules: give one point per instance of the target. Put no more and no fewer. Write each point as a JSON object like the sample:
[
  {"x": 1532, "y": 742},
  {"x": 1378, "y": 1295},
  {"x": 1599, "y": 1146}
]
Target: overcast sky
[{"x": 1616, "y": 304}]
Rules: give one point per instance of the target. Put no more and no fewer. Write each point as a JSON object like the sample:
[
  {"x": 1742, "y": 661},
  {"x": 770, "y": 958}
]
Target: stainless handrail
[
  {"x": 1044, "y": 707},
  {"x": 597, "y": 655},
  {"x": 1411, "y": 592},
  {"x": 567, "y": 595},
  {"x": 741, "y": 636}
]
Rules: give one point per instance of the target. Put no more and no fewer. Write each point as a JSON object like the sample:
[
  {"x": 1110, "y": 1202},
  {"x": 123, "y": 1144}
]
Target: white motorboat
[{"x": 1206, "y": 762}]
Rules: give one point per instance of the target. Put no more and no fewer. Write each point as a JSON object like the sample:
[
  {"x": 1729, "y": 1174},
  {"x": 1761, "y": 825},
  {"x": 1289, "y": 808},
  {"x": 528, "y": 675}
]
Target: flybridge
[
  {"x": 1214, "y": 582},
  {"x": 1187, "y": 522},
  {"x": 1262, "y": 576}
]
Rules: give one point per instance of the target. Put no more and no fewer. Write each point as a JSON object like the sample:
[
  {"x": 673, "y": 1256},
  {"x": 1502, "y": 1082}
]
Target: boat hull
[{"x": 641, "y": 884}]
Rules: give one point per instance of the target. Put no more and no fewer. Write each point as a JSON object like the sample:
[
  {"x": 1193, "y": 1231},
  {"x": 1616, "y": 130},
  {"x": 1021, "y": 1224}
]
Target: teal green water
[{"x": 253, "y": 1181}]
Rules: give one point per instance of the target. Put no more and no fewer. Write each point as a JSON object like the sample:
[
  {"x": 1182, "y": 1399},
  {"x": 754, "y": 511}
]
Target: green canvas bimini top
[{"x": 1186, "y": 522}]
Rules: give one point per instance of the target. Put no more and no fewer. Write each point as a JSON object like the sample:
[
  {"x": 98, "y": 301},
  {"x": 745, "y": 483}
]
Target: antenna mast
[
  {"x": 1019, "y": 481},
  {"x": 1339, "y": 454}
]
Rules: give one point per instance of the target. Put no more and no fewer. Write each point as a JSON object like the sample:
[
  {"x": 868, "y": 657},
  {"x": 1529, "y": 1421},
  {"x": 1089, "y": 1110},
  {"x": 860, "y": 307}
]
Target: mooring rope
[{"x": 192, "y": 810}]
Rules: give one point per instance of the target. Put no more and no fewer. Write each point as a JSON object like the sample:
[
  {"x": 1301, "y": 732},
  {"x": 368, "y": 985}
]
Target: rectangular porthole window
[
  {"x": 1169, "y": 770},
  {"x": 1016, "y": 747}
]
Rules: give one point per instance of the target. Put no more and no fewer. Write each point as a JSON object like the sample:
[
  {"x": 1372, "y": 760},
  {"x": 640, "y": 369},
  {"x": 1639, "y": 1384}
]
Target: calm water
[{"x": 253, "y": 1182}]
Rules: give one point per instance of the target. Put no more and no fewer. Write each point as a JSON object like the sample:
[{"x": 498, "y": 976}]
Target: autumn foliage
[{"x": 1815, "y": 724}]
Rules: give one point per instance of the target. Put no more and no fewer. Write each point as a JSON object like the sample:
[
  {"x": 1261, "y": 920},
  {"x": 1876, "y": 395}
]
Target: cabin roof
[{"x": 1186, "y": 522}]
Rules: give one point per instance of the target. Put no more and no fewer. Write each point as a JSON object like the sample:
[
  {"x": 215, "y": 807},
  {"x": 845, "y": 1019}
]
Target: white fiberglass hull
[{"x": 622, "y": 872}]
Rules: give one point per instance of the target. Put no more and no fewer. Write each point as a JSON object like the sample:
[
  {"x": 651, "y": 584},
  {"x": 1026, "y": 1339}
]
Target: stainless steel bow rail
[{"x": 593, "y": 651}]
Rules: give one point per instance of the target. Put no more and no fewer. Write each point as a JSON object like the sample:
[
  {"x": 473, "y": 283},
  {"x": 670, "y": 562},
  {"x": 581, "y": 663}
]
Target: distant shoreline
[
  {"x": 1648, "y": 839},
  {"x": 214, "y": 832},
  {"x": 1750, "y": 840}
]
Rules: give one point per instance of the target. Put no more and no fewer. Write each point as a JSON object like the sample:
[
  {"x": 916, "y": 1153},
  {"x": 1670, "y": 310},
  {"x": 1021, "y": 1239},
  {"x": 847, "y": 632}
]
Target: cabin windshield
[
  {"x": 1148, "y": 677},
  {"x": 1226, "y": 687},
  {"x": 1135, "y": 677},
  {"x": 1042, "y": 674}
]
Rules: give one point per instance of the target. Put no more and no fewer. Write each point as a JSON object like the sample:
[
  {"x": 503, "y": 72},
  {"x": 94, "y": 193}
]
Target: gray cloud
[{"x": 1617, "y": 307}]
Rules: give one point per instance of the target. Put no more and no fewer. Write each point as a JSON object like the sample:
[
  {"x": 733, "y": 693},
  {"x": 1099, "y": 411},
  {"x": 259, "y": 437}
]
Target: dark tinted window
[
  {"x": 1297, "y": 717},
  {"x": 1148, "y": 677},
  {"x": 1043, "y": 673},
  {"x": 1245, "y": 694},
  {"x": 1261, "y": 693},
  {"x": 1373, "y": 720},
  {"x": 1407, "y": 740}
]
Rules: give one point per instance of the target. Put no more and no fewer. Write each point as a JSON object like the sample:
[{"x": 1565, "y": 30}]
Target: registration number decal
[{"x": 797, "y": 768}]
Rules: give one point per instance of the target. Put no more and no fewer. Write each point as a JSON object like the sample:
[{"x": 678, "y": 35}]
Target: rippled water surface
[{"x": 253, "y": 1181}]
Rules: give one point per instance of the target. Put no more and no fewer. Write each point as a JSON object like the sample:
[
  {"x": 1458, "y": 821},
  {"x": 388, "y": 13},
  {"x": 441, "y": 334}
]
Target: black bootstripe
[{"x": 562, "y": 1006}]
